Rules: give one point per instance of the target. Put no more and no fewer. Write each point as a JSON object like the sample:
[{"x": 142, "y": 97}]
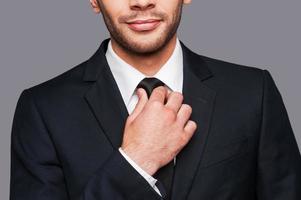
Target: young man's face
[{"x": 141, "y": 26}]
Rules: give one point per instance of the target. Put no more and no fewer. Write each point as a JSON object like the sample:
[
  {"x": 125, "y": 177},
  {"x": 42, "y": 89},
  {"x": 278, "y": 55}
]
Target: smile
[{"x": 144, "y": 25}]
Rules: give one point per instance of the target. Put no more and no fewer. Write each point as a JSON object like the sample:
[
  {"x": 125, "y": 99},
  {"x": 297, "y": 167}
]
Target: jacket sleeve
[
  {"x": 37, "y": 173},
  {"x": 279, "y": 162}
]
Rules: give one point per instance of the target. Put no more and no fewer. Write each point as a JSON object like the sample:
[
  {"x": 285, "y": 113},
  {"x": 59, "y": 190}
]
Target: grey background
[{"x": 41, "y": 39}]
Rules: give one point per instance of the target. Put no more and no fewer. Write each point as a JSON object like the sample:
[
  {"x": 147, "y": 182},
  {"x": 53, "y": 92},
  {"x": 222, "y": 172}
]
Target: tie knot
[{"x": 148, "y": 84}]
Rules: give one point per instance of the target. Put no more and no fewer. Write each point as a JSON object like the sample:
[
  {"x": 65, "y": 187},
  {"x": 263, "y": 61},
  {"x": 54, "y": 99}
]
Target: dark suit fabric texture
[{"x": 66, "y": 133}]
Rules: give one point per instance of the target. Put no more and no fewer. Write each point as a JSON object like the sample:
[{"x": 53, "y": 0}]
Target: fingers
[
  {"x": 159, "y": 94},
  {"x": 184, "y": 114},
  {"x": 174, "y": 101},
  {"x": 142, "y": 100},
  {"x": 190, "y": 128}
]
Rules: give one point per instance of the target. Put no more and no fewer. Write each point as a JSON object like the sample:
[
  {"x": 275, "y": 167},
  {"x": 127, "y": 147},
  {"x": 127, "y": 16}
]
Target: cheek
[
  {"x": 115, "y": 8},
  {"x": 169, "y": 6}
]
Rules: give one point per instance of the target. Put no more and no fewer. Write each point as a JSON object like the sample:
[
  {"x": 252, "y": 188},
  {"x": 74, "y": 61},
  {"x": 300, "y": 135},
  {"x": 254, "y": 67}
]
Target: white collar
[{"x": 127, "y": 77}]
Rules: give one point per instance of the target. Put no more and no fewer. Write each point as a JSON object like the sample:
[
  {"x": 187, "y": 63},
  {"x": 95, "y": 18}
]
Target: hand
[{"x": 156, "y": 132}]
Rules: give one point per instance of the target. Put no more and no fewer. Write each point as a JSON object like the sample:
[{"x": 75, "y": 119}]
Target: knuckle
[
  {"x": 156, "y": 104},
  {"x": 177, "y": 95},
  {"x": 160, "y": 90},
  {"x": 187, "y": 108},
  {"x": 170, "y": 114}
]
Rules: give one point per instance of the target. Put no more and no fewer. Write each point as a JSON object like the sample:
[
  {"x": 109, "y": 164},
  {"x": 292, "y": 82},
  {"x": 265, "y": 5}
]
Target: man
[{"x": 146, "y": 118}]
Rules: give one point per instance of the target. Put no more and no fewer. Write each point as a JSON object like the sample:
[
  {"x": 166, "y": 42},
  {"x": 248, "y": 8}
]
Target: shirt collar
[{"x": 127, "y": 77}]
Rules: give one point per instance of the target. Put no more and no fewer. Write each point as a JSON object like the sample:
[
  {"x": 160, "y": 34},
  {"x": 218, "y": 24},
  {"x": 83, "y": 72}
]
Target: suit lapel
[
  {"x": 201, "y": 99},
  {"x": 104, "y": 98},
  {"x": 105, "y": 101}
]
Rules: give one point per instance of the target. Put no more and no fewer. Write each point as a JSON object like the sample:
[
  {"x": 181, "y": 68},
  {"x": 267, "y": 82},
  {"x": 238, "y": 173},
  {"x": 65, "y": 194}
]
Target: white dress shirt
[{"x": 127, "y": 78}]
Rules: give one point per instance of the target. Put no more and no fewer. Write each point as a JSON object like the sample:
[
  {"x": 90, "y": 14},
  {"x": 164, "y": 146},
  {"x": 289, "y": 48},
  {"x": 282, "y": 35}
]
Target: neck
[{"x": 149, "y": 64}]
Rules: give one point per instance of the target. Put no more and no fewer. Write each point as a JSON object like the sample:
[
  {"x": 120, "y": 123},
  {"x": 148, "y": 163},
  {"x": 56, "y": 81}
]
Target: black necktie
[
  {"x": 164, "y": 175},
  {"x": 148, "y": 84}
]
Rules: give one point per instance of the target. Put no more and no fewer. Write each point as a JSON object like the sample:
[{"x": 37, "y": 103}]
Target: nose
[{"x": 141, "y": 5}]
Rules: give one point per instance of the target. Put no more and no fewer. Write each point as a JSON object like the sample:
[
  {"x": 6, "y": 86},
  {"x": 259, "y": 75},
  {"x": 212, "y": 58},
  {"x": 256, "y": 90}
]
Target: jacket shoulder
[
  {"x": 235, "y": 75},
  {"x": 226, "y": 68},
  {"x": 235, "y": 80},
  {"x": 67, "y": 84}
]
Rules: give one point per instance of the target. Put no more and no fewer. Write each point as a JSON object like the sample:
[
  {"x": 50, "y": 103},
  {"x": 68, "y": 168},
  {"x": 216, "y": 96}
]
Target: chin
[
  {"x": 145, "y": 47},
  {"x": 147, "y": 44}
]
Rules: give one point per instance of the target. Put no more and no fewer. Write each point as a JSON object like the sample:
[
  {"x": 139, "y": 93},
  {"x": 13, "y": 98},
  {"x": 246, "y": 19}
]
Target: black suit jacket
[{"x": 66, "y": 133}]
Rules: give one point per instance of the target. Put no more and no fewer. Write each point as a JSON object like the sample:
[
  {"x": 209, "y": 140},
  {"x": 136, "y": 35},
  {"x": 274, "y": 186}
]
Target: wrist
[{"x": 144, "y": 162}]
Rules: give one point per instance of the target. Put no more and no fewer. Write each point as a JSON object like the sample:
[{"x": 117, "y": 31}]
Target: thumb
[{"x": 142, "y": 100}]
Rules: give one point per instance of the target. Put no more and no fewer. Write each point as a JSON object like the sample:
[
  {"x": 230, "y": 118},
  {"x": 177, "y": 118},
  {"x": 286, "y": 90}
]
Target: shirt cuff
[{"x": 151, "y": 180}]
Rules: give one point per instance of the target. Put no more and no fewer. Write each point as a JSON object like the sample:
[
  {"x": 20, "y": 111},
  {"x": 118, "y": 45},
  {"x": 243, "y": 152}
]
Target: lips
[{"x": 144, "y": 25}]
